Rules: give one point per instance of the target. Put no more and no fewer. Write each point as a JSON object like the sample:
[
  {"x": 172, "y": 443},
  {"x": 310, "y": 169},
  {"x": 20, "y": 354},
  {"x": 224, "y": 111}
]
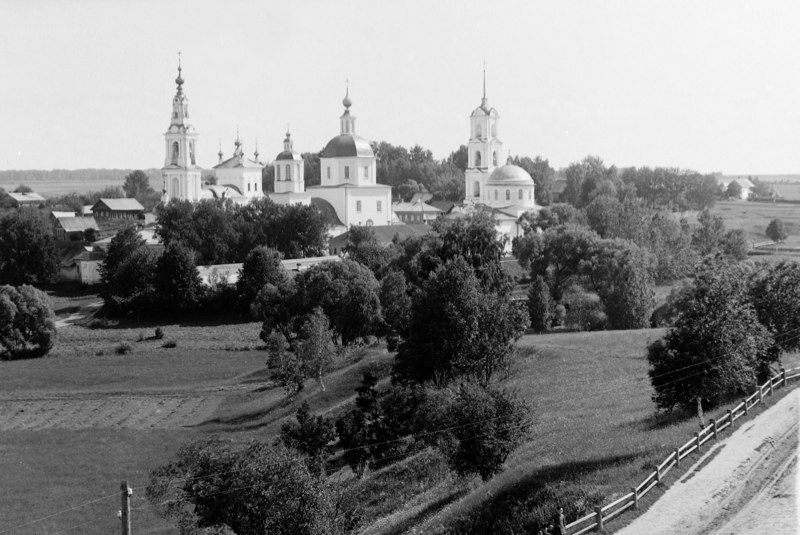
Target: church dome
[
  {"x": 509, "y": 174},
  {"x": 347, "y": 145}
]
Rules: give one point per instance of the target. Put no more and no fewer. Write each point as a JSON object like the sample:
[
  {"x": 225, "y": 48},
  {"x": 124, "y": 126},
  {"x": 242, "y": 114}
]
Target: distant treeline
[{"x": 24, "y": 176}]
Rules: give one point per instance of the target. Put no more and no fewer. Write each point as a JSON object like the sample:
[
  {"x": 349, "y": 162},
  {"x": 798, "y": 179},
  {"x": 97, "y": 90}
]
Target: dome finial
[
  {"x": 288, "y": 131},
  {"x": 256, "y": 151},
  {"x": 346, "y": 101},
  {"x": 179, "y": 79},
  {"x": 483, "y": 100}
]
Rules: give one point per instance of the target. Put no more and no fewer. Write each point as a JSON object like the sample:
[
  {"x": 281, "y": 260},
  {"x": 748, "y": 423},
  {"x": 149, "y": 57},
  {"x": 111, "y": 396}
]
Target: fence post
[
  {"x": 125, "y": 511},
  {"x": 783, "y": 376},
  {"x": 745, "y": 406},
  {"x": 697, "y": 437},
  {"x": 635, "y": 497},
  {"x": 730, "y": 417},
  {"x": 714, "y": 423},
  {"x": 658, "y": 475},
  {"x": 771, "y": 387},
  {"x": 677, "y": 457},
  {"x": 599, "y": 512},
  {"x": 760, "y": 394}
]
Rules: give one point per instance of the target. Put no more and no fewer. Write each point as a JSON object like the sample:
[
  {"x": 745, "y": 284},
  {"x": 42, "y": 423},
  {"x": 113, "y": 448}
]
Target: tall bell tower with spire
[
  {"x": 483, "y": 149},
  {"x": 181, "y": 174}
]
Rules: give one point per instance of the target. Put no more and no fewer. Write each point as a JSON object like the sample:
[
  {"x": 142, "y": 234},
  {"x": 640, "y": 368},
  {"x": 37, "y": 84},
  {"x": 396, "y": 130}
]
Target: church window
[
  {"x": 494, "y": 157},
  {"x": 494, "y": 130},
  {"x": 477, "y": 158},
  {"x": 347, "y": 172},
  {"x": 176, "y": 188},
  {"x": 366, "y": 171},
  {"x": 496, "y": 194},
  {"x": 369, "y": 222},
  {"x": 191, "y": 152},
  {"x": 358, "y": 206},
  {"x": 277, "y": 172},
  {"x": 476, "y": 189},
  {"x": 297, "y": 170},
  {"x": 530, "y": 194},
  {"x": 478, "y": 131},
  {"x": 519, "y": 196},
  {"x": 508, "y": 194},
  {"x": 329, "y": 172},
  {"x": 380, "y": 206},
  {"x": 248, "y": 186},
  {"x": 288, "y": 173},
  {"x": 175, "y": 152}
]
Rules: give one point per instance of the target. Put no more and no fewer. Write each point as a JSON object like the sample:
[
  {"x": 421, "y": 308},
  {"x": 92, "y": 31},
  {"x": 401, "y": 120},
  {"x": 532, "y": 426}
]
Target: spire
[
  {"x": 287, "y": 142},
  {"x": 484, "y": 102},
  {"x": 220, "y": 150},
  {"x": 179, "y": 79},
  {"x": 348, "y": 122},
  {"x": 255, "y": 154},
  {"x": 237, "y": 151}
]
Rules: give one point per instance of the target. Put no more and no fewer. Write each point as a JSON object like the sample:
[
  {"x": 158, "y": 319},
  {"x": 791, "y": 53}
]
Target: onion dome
[{"x": 510, "y": 174}]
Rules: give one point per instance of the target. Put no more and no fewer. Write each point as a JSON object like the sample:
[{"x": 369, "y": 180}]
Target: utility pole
[{"x": 125, "y": 512}]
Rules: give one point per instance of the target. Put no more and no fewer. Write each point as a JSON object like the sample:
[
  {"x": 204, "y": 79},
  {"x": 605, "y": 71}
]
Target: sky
[{"x": 703, "y": 85}]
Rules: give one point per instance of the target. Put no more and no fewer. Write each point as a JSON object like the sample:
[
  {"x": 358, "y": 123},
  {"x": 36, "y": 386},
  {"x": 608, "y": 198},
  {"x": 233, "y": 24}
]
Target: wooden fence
[{"x": 602, "y": 515}]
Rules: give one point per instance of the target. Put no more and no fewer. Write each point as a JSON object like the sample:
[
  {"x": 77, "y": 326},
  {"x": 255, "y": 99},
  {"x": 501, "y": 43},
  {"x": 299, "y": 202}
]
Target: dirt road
[{"x": 750, "y": 486}]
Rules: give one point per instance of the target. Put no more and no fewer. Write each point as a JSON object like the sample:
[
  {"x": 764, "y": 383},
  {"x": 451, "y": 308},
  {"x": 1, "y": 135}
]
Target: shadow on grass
[
  {"x": 528, "y": 504},
  {"x": 428, "y": 510},
  {"x": 661, "y": 420}
]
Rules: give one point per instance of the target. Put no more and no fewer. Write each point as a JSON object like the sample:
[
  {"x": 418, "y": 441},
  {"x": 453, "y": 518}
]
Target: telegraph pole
[{"x": 125, "y": 512}]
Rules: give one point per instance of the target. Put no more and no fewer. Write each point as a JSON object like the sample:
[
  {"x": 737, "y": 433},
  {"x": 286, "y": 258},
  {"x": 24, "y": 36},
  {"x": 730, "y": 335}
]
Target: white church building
[
  {"x": 348, "y": 193},
  {"x": 508, "y": 190}
]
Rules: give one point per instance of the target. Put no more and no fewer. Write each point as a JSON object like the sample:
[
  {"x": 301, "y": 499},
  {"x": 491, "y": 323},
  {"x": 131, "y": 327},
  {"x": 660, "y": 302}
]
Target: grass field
[
  {"x": 753, "y": 218},
  {"x": 72, "y": 427}
]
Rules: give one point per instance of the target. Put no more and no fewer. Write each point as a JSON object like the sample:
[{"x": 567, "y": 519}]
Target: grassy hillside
[
  {"x": 753, "y": 218},
  {"x": 72, "y": 427}
]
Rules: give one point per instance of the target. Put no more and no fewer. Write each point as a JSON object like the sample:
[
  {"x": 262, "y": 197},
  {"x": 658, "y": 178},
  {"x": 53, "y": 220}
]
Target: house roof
[
  {"x": 77, "y": 224},
  {"x": 239, "y": 162},
  {"x": 327, "y": 210},
  {"x": 445, "y": 206},
  {"x": 22, "y": 198},
  {"x": 59, "y": 214},
  {"x": 118, "y": 205},
  {"x": 415, "y": 207},
  {"x": 385, "y": 234}
]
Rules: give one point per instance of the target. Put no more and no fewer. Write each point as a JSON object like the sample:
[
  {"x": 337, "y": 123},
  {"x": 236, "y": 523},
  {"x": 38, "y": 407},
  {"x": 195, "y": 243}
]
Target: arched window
[
  {"x": 477, "y": 158},
  {"x": 530, "y": 194},
  {"x": 297, "y": 170},
  {"x": 496, "y": 194},
  {"x": 478, "y": 131},
  {"x": 476, "y": 189},
  {"x": 288, "y": 172},
  {"x": 191, "y": 152},
  {"x": 494, "y": 130},
  {"x": 175, "y": 152},
  {"x": 520, "y": 195},
  {"x": 248, "y": 186},
  {"x": 277, "y": 172},
  {"x": 176, "y": 187},
  {"x": 494, "y": 158},
  {"x": 369, "y": 222},
  {"x": 508, "y": 194}
]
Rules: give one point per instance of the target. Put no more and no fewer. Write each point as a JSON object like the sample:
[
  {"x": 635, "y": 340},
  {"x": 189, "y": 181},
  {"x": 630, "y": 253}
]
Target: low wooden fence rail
[{"x": 596, "y": 521}]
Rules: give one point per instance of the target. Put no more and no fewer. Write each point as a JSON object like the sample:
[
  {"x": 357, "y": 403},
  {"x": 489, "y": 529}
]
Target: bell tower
[
  {"x": 181, "y": 173},
  {"x": 483, "y": 149}
]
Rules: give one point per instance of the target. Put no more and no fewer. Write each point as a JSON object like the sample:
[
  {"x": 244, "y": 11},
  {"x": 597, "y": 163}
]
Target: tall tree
[
  {"x": 316, "y": 349},
  {"x": 177, "y": 281},
  {"x": 27, "y": 249},
  {"x": 137, "y": 185},
  {"x": 716, "y": 348},
  {"x": 262, "y": 266},
  {"x": 27, "y": 327}
]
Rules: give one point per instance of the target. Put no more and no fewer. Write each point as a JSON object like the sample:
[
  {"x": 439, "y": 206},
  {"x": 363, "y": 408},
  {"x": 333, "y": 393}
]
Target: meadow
[
  {"x": 74, "y": 425},
  {"x": 753, "y": 218}
]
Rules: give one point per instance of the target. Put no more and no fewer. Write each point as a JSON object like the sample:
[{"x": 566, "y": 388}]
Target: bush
[
  {"x": 26, "y": 323},
  {"x": 159, "y": 333},
  {"x": 170, "y": 344},
  {"x": 123, "y": 348},
  {"x": 584, "y": 311}
]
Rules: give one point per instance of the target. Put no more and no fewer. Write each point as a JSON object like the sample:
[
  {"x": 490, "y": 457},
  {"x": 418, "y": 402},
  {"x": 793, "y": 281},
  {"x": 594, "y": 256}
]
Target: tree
[
  {"x": 775, "y": 294},
  {"x": 27, "y": 327},
  {"x": 310, "y": 435},
  {"x": 122, "y": 246},
  {"x": 734, "y": 191},
  {"x": 395, "y": 306},
  {"x": 251, "y": 489},
  {"x": 708, "y": 235},
  {"x": 316, "y": 350},
  {"x": 133, "y": 288},
  {"x": 776, "y": 231},
  {"x": 621, "y": 275},
  {"x": 277, "y": 306},
  {"x": 583, "y": 178},
  {"x": 716, "y": 348},
  {"x": 137, "y": 184},
  {"x": 734, "y": 244},
  {"x": 348, "y": 294},
  {"x": 262, "y": 266},
  {"x": 540, "y": 305},
  {"x": 177, "y": 281},
  {"x": 363, "y": 247},
  {"x": 458, "y": 329},
  {"x": 27, "y": 249},
  {"x": 486, "y": 426},
  {"x": 559, "y": 252}
]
